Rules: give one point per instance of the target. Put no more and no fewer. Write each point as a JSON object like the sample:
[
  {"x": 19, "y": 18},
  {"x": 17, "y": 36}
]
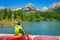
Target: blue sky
[{"x": 22, "y": 3}]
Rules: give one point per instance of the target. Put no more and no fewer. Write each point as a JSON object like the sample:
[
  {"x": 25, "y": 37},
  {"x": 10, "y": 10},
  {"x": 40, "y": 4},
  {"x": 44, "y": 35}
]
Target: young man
[{"x": 19, "y": 30}]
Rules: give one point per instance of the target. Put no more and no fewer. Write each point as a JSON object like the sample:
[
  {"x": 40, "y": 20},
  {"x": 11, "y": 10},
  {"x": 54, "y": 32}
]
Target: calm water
[{"x": 37, "y": 28}]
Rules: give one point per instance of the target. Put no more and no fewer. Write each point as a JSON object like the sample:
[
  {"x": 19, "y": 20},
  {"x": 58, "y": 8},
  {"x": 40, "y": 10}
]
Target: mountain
[
  {"x": 2, "y": 7},
  {"x": 15, "y": 8},
  {"x": 44, "y": 9},
  {"x": 38, "y": 9},
  {"x": 55, "y": 7},
  {"x": 29, "y": 8}
]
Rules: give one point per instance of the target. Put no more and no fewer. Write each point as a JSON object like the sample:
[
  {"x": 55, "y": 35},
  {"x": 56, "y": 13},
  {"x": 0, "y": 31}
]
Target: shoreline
[{"x": 4, "y": 23}]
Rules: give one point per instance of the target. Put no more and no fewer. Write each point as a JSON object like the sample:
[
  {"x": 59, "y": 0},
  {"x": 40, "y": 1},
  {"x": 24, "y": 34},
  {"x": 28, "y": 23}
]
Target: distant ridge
[
  {"x": 55, "y": 7},
  {"x": 29, "y": 8},
  {"x": 2, "y": 7},
  {"x": 16, "y": 8}
]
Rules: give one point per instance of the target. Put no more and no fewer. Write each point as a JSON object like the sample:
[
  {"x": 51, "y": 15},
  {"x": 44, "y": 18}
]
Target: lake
[{"x": 37, "y": 28}]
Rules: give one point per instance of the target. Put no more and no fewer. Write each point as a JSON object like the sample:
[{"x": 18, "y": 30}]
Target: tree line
[{"x": 20, "y": 15}]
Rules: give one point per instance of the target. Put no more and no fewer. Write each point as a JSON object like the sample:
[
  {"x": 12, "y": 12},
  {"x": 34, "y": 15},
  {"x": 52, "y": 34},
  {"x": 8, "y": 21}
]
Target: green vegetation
[{"x": 20, "y": 15}]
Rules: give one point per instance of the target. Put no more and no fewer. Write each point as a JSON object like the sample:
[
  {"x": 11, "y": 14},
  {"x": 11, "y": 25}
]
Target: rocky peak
[
  {"x": 29, "y": 7},
  {"x": 55, "y": 7},
  {"x": 2, "y": 7}
]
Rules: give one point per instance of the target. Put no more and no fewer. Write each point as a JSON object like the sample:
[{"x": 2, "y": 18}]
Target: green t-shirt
[{"x": 18, "y": 30}]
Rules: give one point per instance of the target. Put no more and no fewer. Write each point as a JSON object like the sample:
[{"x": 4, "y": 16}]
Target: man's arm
[{"x": 21, "y": 30}]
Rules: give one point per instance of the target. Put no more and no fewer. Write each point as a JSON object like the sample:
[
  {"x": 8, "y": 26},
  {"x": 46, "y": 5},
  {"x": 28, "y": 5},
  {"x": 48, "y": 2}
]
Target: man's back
[{"x": 18, "y": 29}]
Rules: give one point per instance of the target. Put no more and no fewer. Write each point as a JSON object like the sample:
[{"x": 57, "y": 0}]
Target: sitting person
[{"x": 19, "y": 30}]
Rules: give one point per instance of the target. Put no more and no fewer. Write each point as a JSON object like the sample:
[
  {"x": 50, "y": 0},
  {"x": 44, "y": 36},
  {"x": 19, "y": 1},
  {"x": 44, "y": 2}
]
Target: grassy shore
[{"x": 5, "y": 23}]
